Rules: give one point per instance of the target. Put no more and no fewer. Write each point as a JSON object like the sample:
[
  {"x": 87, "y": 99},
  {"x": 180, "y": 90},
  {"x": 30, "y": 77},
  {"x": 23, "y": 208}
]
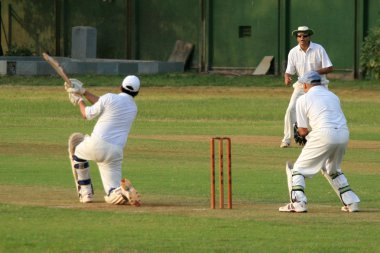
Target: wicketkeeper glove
[
  {"x": 77, "y": 87},
  {"x": 300, "y": 140},
  {"x": 74, "y": 98}
]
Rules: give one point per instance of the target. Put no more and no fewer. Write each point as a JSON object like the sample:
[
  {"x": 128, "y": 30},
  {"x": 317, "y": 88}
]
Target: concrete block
[
  {"x": 264, "y": 66},
  {"x": 37, "y": 66},
  {"x": 44, "y": 68},
  {"x": 107, "y": 68},
  {"x": 71, "y": 67},
  {"x": 3, "y": 67},
  {"x": 83, "y": 42},
  {"x": 26, "y": 68},
  {"x": 81, "y": 68},
  {"x": 147, "y": 67},
  {"x": 33, "y": 68},
  {"x": 130, "y": 68}
]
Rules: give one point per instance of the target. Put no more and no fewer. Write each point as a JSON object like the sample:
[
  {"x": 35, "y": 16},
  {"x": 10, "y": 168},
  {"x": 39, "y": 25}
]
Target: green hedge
[{"x": 370, "y": 55}]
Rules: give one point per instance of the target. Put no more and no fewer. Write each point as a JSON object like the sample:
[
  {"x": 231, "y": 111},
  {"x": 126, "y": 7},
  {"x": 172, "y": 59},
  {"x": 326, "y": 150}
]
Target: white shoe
[
  {"x": 354, "y": 207},
  {"x": 130, "y": 192},
  {"x": 86, "y": 198},
  {"x": 116, "y": 197},
  {"x": 296, "y": 207},
  {"x": 284, "y": 144},
  {"x": 86, "y": 194}
]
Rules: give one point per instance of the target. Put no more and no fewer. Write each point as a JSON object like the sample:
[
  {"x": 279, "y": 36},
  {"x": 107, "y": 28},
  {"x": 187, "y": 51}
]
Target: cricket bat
[{"x": 57, "y": 67}]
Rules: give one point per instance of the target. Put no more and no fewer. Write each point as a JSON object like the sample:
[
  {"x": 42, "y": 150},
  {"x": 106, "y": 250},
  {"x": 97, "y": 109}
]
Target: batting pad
[
  {"x": 296, "y": 184},
  {"x": 74, "y": 141},
  {"x": 288, "y": 169},
  {"x": 341, "y": 187}
]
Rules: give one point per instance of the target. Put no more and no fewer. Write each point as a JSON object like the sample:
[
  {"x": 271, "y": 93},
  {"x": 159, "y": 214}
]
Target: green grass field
[{"x": 167, "y": 159}]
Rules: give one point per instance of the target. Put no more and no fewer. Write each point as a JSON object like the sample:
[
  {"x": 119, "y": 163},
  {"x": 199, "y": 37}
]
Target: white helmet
[{"x": 131, "y": 83}]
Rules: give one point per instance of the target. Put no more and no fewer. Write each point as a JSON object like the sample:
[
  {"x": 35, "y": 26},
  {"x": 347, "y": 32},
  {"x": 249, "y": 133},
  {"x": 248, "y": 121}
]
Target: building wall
[
  {"x": 242, "y": 32},
  {"x": 45, "y": 25},
  {"x": 27, "y": 24},
  {"x": 334, "y": 28},
  {"x": 160, "y": 23},
  {"x": 108, "y": 17},
  {"x": 340, "y": 27}
]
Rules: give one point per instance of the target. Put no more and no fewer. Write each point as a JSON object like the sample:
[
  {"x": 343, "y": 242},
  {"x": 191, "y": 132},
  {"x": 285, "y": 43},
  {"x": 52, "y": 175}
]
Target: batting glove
[
  {"x": 75, "y": 99},
  {"x": 75, "y": 87}
]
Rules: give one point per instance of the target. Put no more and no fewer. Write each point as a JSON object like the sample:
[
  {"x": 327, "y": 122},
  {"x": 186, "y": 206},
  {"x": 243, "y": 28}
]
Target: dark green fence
[{"x": 227, "y": 34}]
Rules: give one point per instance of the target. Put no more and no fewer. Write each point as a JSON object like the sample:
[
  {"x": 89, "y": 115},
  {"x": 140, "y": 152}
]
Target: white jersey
[
  {"x": 319, "y": 108},
  {"x": 315, "y": 58},
  {"x": 116, "y": 114}
]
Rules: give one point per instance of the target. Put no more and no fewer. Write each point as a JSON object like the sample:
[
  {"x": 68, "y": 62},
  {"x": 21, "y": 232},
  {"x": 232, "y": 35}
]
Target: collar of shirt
[
  {"x": 311, "y": 47},
  {"x": 316, "y": 87},
  {"x": 123, "y": 94}
]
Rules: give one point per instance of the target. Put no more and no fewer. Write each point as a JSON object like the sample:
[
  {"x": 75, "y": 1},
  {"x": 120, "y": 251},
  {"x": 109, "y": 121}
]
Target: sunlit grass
[{"x": 167, "y": 158}]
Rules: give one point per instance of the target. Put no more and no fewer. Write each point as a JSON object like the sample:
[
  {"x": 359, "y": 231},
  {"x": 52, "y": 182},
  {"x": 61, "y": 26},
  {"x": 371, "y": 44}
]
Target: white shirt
[
  {"x": 315, "y": 58},
  {"x": 116, "y": 114},
  {"x": 320, "y": 108}
]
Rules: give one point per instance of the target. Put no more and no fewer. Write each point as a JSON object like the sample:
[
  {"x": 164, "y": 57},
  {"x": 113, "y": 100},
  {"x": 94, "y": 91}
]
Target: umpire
[{"x": 321, "y": 120}]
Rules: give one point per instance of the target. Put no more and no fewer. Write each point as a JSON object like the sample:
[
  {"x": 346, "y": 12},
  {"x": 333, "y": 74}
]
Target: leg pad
[{"x": 82, "y": 170}]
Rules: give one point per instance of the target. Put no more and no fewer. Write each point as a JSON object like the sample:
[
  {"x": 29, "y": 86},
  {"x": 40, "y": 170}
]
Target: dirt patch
[
  {"x": 32, "y": 148},
  {"x": 178, "y": 205},
  {"x": 67, "y": 199},
  {"x": 355, "y": 144}
]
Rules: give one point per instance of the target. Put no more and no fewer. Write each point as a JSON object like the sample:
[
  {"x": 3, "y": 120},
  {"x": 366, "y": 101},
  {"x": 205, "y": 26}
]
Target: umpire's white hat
[
  {"x": 303, "y": 29},
  {"x": 131, "y": 83}
]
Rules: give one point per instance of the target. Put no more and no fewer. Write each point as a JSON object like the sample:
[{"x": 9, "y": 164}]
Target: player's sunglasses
[{"x": 303, "y": 36}]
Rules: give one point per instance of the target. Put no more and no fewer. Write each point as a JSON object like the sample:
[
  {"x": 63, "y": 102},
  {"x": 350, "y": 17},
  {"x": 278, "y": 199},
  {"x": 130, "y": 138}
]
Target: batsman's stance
[
  {"x": 321, "y": 119},
  {"x": 105, "y": 146}
]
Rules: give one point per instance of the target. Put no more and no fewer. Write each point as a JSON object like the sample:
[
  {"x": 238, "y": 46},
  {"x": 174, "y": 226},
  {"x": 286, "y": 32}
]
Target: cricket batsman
[{"x": 105, "y": 145}]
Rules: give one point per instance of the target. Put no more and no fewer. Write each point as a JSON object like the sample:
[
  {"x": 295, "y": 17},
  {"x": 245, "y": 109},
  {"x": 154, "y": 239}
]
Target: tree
[{"x": 370, "y": 55}]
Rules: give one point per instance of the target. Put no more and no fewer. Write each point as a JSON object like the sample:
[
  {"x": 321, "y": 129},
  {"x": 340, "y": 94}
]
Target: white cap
[
  {"x": 310, "y": 77},
  {"x": 131, "y": 83},
  {"x": 303, "y": 29}
]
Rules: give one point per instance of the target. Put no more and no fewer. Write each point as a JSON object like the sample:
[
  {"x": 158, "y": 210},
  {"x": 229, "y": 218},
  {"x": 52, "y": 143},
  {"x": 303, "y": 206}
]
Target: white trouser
[
  {"x": 290, "y": 114},
  {"x": 324, "y": 150},
  {"x": 107, "y": 156}
]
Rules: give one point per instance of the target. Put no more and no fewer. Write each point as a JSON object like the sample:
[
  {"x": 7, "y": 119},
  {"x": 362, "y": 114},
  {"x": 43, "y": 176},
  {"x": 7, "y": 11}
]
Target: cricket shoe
[
  {"x": 296, "y": 207},
  {"x": 284, "y": 144},
  {"x": 86, "y": 194},
  {"x": 86, "y": 198},
  {"x": 351, "y": 208},
  {"x": 130, "y": 192}
]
